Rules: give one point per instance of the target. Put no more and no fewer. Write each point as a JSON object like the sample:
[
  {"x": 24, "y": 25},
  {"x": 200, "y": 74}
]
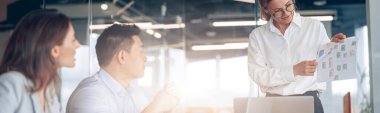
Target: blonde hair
[{"x": 263, "y": 5}]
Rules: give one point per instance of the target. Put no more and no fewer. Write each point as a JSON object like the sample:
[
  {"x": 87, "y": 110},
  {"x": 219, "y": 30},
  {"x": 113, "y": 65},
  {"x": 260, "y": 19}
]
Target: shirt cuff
[{"x": 289, "y": 75}]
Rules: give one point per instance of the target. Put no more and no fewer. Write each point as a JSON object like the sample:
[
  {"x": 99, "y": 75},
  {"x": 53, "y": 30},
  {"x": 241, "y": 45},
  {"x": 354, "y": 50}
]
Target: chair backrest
[{"x": 347, "y": 103}]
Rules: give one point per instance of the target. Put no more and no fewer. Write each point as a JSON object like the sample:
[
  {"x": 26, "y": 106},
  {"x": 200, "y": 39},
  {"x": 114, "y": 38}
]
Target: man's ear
[
  {"x": 122, "y": 56},
  {"x": 55, "y": 52}
]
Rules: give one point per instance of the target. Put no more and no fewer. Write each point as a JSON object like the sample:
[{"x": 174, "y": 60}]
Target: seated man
[{"x": 121, "y": 58}]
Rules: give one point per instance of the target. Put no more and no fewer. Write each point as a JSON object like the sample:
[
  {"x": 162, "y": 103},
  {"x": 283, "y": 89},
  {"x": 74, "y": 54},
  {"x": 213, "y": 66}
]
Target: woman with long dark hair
[{"x": 41, "y": 43}]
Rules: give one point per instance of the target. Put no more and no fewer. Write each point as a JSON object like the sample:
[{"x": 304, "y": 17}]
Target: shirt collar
[
  {"x": 111, "y": 83},
  {"x": 296, "y": 20}
]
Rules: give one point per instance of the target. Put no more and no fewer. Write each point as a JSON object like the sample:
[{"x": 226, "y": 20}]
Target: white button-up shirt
[
  {"x": 102, "y": 94},
  {"x": 271, "y": 55}
]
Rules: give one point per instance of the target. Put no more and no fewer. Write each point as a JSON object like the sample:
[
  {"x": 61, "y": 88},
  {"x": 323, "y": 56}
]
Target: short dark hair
[
  {"x": 114, "y": 38},
  {"x": 29, "y": 47}
]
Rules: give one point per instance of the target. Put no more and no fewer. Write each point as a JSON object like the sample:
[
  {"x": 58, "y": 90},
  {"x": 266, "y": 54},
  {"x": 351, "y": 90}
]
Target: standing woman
[
  {"x": 282, "y": 53},
  {"x": 42, "y": 42}
]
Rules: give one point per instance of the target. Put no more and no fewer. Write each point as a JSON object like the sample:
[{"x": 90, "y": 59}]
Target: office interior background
[{"x": 201, "y": 45}]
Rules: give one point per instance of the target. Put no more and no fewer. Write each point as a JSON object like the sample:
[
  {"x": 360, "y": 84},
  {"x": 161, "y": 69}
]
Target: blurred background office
[{"x": 201, "y": 45}]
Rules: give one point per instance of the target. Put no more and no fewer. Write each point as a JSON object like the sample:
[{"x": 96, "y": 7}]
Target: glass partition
[
  {"x": 188, "y": 42},
  {"x": 200, "y": 45}
]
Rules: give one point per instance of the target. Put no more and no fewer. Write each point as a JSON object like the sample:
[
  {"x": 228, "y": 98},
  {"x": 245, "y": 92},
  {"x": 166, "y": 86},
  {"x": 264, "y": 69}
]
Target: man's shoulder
[
  {"x": 90, "y": 90},
  {"x": 92, "y": 84},
  {"x": 91, "y": 95}
]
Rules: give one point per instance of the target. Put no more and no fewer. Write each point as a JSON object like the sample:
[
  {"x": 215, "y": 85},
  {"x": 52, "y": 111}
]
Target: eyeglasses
[{"x": 280, "y": 11}]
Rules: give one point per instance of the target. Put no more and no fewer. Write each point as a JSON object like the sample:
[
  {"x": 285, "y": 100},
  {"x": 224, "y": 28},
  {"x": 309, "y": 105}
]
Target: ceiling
[{"x": 197, "y": 16}]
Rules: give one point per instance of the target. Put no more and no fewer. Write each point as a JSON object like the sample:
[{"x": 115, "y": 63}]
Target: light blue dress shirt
[
  {"x": 15, "y": 97},
  {"x": 102, "y": 94}
]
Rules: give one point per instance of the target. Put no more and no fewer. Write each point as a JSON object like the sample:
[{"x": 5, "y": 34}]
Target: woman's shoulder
[
  {"x": 259, "y": 32},
  {"x": 13, "y": 76},
  {"x": 15, "y": 79},
  {"x": 261, "y": 28},
  {"x": 312, "y": 21},
  {"x": 13, "y": 90}
]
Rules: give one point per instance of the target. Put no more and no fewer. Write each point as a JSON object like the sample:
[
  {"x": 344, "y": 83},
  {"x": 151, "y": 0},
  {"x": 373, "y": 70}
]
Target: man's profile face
[{"x": 136, "y": 58}]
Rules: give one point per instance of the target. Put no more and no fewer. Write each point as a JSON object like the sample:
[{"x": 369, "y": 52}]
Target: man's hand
[
  {"x": 338, "y": 37},
  {"x": 165, "y": 101},
  {"x": 306, "y": 67}
]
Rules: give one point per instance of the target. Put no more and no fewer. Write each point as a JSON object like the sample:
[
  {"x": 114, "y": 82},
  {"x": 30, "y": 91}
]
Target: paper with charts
[{"x": 337, "y": 61}]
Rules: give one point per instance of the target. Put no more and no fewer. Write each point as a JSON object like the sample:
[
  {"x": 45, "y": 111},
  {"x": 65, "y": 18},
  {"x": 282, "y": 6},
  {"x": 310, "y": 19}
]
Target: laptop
[{"x": 284, "y": 104}]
